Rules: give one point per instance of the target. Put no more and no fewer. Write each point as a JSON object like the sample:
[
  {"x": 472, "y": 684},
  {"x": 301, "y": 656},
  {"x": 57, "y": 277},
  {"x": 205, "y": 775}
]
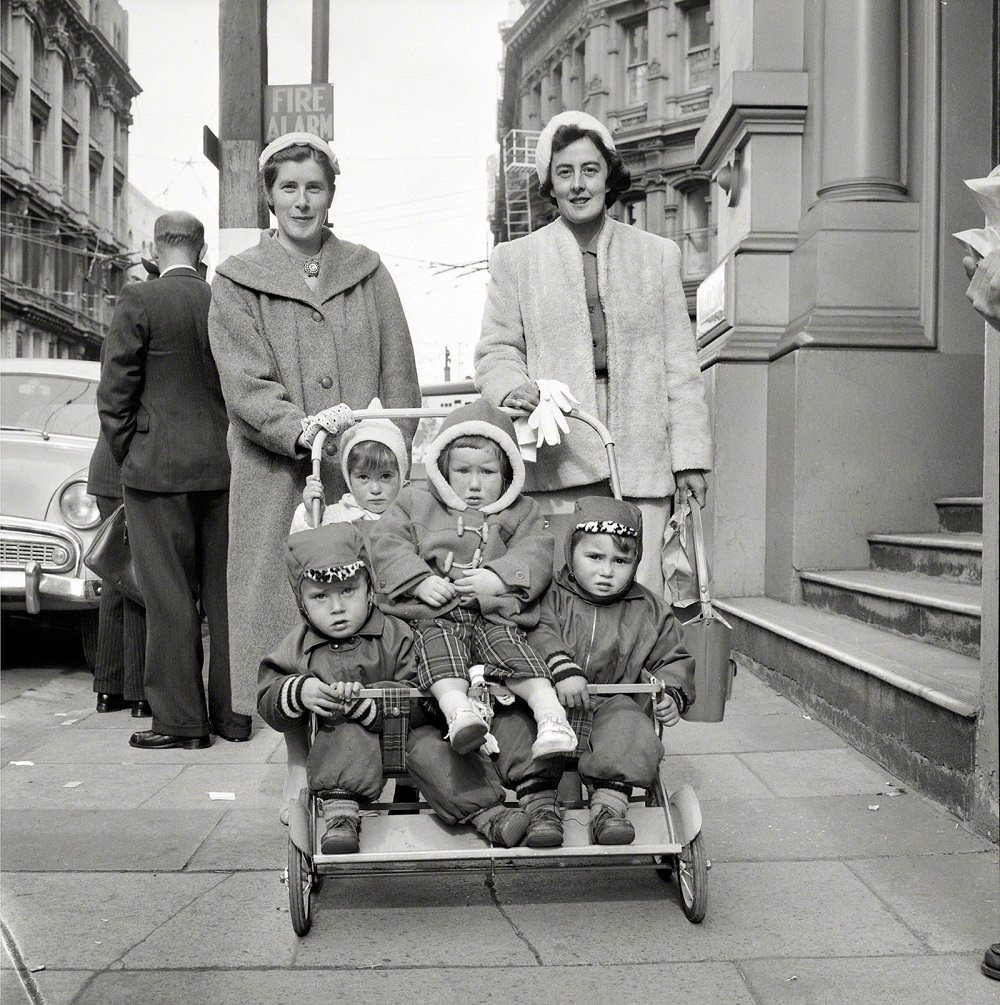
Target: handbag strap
[{"x": 700, "y": 558}]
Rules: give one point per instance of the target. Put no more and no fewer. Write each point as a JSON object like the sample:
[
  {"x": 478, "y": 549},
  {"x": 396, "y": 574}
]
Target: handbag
[
  {"x": 680, "y": 579},
  {"x": 708, "y": 638},
  {"x": 110, "y": 556}
]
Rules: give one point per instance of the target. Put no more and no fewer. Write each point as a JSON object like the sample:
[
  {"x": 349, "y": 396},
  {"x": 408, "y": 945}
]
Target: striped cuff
[
  {"x": 290, "y": 697},
  {"x": 681, "y": 700},
  {"x": 562, "y": 666},
  {"x": 364, "y": 712}
]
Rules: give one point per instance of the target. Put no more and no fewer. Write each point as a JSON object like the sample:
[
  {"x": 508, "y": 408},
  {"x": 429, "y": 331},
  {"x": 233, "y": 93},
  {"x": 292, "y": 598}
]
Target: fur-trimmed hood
[{"x": 478, "y": 418}]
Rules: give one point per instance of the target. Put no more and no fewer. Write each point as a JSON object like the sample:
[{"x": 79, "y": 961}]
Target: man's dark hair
[{"x": 179, "y": 230}]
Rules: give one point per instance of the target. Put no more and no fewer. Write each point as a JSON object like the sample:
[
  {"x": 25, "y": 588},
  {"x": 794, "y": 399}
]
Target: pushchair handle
[
  {"x": 436, "y": 413},
  {"x": 652, "y": 687}
]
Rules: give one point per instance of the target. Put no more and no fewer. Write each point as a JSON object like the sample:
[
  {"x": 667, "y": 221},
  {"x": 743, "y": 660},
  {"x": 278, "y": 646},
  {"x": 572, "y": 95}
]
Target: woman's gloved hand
[
  {"x": 547, "y": 419},
  {"x": 334, "y": 420}
]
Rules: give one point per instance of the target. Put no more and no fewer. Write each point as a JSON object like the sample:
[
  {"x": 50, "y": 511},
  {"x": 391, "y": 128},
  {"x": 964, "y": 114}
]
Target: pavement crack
[
  {"x": 201, "y": 843},
  {"x": 119, "y": 961},
  {"x": 495, "y": 897}
]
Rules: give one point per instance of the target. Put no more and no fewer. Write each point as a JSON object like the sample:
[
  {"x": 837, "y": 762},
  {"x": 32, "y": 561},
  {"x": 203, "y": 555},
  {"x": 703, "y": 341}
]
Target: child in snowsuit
[
  {"x": 374, "y": 461},
  {"x": 343, "y": 644},
  {"x": 598, "y": 626},
  {"x": 466, "y": 562}
]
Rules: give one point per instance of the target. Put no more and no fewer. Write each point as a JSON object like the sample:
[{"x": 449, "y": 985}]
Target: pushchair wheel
[
  {"x": 301, "y": 884},
  {"x": 692, "y": 880}
]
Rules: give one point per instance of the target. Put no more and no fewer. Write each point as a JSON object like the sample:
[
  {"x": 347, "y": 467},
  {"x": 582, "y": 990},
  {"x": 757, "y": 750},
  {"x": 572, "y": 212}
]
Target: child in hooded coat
[
  {"x": 598, "y": 626},
  {"x": 375, "y": 462},
  {"x": 345, "y": 643},
  {"x": 466, "y": 562}
]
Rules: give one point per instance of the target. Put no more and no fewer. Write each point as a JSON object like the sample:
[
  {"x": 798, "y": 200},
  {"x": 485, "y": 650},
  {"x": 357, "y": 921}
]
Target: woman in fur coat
[
  {"x": 298, "y": 324},
  {"x": 599, "y": 305}
]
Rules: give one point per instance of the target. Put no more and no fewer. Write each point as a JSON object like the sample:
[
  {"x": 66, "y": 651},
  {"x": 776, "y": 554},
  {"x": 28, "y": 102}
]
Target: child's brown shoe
[
  {"x": 502, "y": 826},
  {"x": 341, "y": 836},
  {"x": 545, "y": 828},
  {"x": 608, "y": 827}
]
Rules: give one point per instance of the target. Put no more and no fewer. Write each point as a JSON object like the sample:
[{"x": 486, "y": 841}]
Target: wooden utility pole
[
  {"x": 321, "y": 41},
  {"x": 242, "y": 77}
]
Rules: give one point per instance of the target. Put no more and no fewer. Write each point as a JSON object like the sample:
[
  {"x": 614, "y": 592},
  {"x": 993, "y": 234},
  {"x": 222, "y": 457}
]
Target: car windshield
[{"x": 49, "y": 403}]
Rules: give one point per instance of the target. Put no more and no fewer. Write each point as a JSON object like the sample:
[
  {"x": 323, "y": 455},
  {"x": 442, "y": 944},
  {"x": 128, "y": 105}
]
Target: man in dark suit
[{"x": 165, "y": 421}]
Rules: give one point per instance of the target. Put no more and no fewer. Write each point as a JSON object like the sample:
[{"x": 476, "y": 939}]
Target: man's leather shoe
[
  {"x": 149, "y": 739},
  {"x": 233, "y": 735},
  {"x": 110, "y": 702},
  {"x": 141, "y": 709}
]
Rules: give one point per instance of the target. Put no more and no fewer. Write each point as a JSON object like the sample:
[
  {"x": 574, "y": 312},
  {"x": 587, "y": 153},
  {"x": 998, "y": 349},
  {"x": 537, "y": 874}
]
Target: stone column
[
  {"x": 545, "y": 111},
  {"x": 52, "y": 154},
  {"x": 567, "y": 98},
  {"x": 656, "y": 204},
  {"x": 861, "y": 101},
  {"x": 656, "y": 75},
  {"x": 20, "y": 113},
  {"x": 597, "y": 73}
]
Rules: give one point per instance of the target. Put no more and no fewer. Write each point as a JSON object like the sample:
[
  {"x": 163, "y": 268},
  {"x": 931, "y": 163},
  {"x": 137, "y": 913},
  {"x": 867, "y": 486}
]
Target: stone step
[
  {"x": 909, "y": 705},
  {"x": 958, "y": 557},
  {"x": 925, "y": 608},
  {"x": 960, "y": 514}
]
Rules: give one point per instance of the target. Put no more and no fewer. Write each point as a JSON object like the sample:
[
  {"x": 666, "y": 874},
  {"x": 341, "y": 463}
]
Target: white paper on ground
[{"x": 222, "y": 795}]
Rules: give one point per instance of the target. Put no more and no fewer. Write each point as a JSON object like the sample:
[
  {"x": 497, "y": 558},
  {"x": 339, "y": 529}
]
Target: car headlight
[{"x": 78, "y": 506}]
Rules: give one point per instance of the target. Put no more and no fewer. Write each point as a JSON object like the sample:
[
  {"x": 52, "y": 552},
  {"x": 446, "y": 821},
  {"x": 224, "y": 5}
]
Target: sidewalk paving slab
[
  {"x": 101, "y": 786},
  {"x": 836, "y": 772},
  {"x": 243, "y": 839},
  {"x": 253, "y": 785},
  {"x": 832, "y": 827},
  {"x": 950, "y": 901},
  {"x": 104, "y": 840},
  {"x": 680, "y": 984},
  {"x": 57, "y": 987},
  {"x": 713, "y": 776},
  {"x": 745, "y": 733},
  {"x": 90, "y": 920},
  {"x": 807, "y": 908},
  {"x": 906, "y": 980}
]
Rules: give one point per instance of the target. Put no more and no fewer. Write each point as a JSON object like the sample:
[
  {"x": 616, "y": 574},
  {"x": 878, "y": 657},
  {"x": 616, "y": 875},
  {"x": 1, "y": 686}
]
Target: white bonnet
[
  {"x": 381, "y": 431},
  {"x": 543, "y": 152},
  {"x": 299, "y": 140}
]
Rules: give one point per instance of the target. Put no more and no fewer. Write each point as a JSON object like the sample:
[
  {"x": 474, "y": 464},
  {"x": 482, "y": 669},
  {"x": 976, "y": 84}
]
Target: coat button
[
  {"x": 317, "y": 316},
  {"x": 326, "y": 382}
]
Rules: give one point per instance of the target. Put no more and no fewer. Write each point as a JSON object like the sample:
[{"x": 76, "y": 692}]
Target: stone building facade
[
  {"x": 848, "y": 516},
  {"x": 647, "y": 68},
  {"x": 65, "y": 102}
]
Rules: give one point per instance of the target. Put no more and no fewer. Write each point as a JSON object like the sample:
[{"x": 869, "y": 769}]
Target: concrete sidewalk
[{"x": 125, "y": 881}]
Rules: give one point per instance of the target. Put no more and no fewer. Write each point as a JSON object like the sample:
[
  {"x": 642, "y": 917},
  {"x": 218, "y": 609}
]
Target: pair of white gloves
[
  {"x": 334, "y": 420},
  {"x": 547, "y": 423}
]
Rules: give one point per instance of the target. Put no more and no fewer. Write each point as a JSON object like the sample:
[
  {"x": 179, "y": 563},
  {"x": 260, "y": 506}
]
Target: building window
[
  {"x": 699, "y": 56},
  {"x": 69, "y": 89},
  {"x": 6, "y": 103},
  {"x": 636, "y": 60},
  {"x": 39, "y": 64},
  {"x": 68, "y": 162},
  {"x": 117, "y": 206},
  {"x": 635, "y": 214},
  {"x": 698, "y": 232},
  {"x": 37, "y": 142},
  {"x": 6, "y": 23},
  {"x": 96, "y": 163},
  {"x": 95, "y": 114},
  {"x": 19, "y": 345}
]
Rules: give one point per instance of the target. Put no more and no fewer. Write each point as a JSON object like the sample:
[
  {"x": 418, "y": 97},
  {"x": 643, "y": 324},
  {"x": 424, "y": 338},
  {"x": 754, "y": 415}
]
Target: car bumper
[{"x": 41, "y": 568}]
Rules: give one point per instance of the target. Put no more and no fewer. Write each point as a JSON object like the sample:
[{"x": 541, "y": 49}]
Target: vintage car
[{"x": 48, "y": 428}]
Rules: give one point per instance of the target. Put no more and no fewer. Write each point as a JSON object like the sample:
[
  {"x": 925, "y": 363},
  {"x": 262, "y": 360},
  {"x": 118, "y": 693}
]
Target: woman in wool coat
[
  {"x": 298, "y": 324},
  {"x": 598, "y": 305}
]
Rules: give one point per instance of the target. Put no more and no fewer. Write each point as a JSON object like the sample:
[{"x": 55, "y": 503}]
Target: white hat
[
  {"x": 381, "y": 431},
  {"x": 299, "y": 140},
  {"x": 543, "y": 152}
]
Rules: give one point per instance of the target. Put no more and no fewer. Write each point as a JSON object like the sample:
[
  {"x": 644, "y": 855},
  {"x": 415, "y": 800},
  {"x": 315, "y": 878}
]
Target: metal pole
[{"x": 321, "y": 41}]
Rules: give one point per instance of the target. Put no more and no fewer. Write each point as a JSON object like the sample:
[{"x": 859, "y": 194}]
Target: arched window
[
  {"x": 39, "y": 61},
  {"x": 698, "y": 230}
]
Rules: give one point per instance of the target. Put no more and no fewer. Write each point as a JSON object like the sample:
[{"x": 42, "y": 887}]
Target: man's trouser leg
[
  {"x": 212, "y": 512},
  {"x": 163, "y": 538}
]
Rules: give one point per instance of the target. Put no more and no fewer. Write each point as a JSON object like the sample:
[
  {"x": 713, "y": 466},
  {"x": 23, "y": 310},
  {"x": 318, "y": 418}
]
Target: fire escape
[{"x": 518, "y": 169}]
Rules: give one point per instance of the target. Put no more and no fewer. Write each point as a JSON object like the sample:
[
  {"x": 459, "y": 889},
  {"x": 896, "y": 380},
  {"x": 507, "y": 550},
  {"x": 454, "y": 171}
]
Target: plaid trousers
[{"x": 447, "y": 646}]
